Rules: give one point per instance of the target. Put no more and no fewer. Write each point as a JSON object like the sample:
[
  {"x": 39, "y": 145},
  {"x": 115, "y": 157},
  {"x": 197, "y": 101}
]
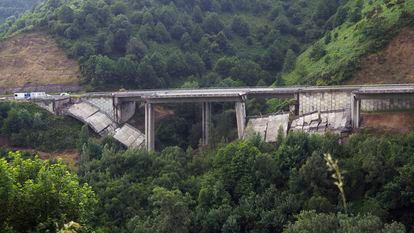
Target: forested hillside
[
  {"x": 361, "y": 28},
  {"x": 10, "y": 8},
  {"x": 158, "y": 43},
  {"x": 245, "y": 186}
]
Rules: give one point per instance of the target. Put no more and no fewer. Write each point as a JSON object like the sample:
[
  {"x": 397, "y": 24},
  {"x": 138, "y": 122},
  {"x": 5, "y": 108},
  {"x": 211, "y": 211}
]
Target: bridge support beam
[
  {"x": 355, "y": 111},
  {"x": 205, "y": 123},
  {"x": 149, "y": 127},
  {"x": 241, "y": 118},
  {"x": 297, "y": 104}
]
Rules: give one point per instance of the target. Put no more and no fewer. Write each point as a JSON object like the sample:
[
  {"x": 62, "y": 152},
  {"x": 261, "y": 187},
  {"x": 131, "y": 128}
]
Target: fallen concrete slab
[
  {"x": 332, "y": 121},
  {"x": 268, "y": 128},
  {"x": 130, "y": 136},
  {"x": 277, "y": 125},
  {"x": 99, "y": 122},
  {"x": 82, "y": 111}
]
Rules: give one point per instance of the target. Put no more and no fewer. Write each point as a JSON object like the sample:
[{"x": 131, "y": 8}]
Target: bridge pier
[
  {"x": 123, "y": 111},
  {"x": 355, "y": 111},
  {"x": 149, "y": 127},
  {"x": 206, "y": 123},
  {"x": 241, "y": 118}
]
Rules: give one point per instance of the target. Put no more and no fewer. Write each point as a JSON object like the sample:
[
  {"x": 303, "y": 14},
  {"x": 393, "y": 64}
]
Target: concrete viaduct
[{"x": 121, "y": 106}]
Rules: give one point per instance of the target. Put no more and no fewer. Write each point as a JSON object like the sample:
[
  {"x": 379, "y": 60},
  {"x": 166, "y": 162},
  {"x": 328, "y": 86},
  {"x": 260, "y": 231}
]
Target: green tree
[
  {"x": 314, "y": 222},
  {"x": 290, "y": 60},
  {"x": 119, "y": 7},
  {"x": 212, "y": 24},
  {"x": 82, "y": 49},
  {"x": 161, "y": 33},
  {"x": 65, "y": 14},
  {"x": 197, "y": 14},
  {"x": 177, "y": 67},
  {"x": 194, "y": 63},
  {"x": 197, "y": 33},
  {"x": 186, "y": 42},
  {"x": 240, "y": 26},
  {"x": 38, "y": 196},
  {"x": 120, "y": 40},
  {"x": 137, "y": 48}
]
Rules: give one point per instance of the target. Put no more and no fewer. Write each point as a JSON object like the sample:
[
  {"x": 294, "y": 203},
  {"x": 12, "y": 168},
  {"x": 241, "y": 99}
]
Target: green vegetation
[
  {"x": 244, "y": 186},
  {"x": 361, "y": 27},
  {"x": 158, "y": 43},
  {"x": 28, "y": 126},
  {"x": 251, "y": 186},
  {"x": 40, "y": 196},
  {"x": 11, "y": 8}
]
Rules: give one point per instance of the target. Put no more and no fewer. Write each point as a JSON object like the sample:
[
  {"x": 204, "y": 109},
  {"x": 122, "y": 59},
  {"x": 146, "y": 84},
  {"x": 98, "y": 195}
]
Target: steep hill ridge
[
  {"x": 159, "y": 44},
  {"x": 362, "y": 28},
  {"x": 34, "y": 59},
  {"x": 394, "y": 64}
]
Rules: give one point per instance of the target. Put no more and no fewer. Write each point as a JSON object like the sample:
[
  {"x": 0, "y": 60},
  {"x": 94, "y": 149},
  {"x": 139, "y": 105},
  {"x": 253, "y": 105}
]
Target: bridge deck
[{"x": 235, "y": 94}]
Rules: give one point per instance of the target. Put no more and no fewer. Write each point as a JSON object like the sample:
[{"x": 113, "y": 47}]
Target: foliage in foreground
[
  {"x": 40, "y": 196},
  {"x": 28, "y": 126},
  {"x": 250, "y": 186},
  {"x": 310, "y": 222}
]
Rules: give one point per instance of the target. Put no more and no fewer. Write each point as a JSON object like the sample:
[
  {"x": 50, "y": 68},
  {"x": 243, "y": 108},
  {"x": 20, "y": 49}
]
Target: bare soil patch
[
  {"x": 398, "y": 122},
  {"x": 394, "y": 64},
  {"x": 34, "y": 59}
]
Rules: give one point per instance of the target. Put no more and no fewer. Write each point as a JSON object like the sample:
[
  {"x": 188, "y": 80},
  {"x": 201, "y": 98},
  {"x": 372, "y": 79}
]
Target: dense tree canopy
[
  {"x": 11, "y": 8},
  {"x": 251, "y": 186}
]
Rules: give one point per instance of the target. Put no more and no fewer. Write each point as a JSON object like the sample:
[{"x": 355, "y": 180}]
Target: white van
[{"x": 21, "y": 96}]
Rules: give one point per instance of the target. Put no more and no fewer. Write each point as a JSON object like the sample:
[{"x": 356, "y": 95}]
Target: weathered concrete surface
[
  {"x": 104, "y": 103},
  {"x": 82, "y": 111},
  {"x": 130, "y": 136},
  {"x": 100, "y": 122},
  {"x": 320, "y": 123},
  {"x": 269, "y": 128},
  {"x": 89, "y": 114}
]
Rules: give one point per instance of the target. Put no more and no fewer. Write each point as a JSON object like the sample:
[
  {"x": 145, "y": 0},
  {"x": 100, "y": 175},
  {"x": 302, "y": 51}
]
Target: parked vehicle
[{"x": 29, "y": 95}]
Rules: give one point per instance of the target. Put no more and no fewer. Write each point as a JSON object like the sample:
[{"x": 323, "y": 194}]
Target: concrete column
[
  {"x": 149, "y": 127},
  {"x": 205, "y": 123},
  {"x": 241, "y": 118},
  {"x": 355, "y": 111},
  {"x": 297, "y": 104}
]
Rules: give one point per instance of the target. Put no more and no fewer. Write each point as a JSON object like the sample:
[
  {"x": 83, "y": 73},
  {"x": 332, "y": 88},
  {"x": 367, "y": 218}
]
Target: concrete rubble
[
  {"x": 270, "y": 127},
  {"x": 322, "y": 122}
]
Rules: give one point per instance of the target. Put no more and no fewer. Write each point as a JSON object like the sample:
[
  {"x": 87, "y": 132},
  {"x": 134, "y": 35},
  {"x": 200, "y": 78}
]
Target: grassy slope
[{"x": 349, "y": 46}]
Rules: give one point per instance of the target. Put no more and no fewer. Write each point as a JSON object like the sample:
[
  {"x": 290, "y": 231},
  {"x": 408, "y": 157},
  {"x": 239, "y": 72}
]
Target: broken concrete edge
[
  {"x": 138, "y": 142},
  {"x": 317, "y": 122}
]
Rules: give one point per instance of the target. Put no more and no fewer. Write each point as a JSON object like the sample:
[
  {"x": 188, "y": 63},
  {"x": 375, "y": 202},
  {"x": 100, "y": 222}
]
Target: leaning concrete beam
[
  {"x": 257, "y": 126},
  {"x": 277, "y": 124},
  {"x": 99, "y": 122},
  {"x": 82, "y": 111},
  {"x": 130, "y": 136}
]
